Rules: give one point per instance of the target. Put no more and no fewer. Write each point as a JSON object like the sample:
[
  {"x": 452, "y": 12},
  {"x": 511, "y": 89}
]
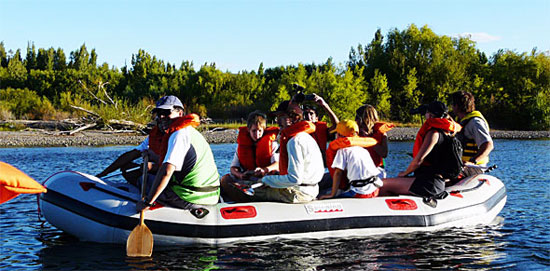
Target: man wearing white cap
[{"x": 187, "y": 177}]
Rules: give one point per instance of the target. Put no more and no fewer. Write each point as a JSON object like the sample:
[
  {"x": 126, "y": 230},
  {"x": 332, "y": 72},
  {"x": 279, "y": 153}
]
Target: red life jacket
[
  {"x": 379, "y": 130},
  {"x": 344, "y": 142},
  {"x": 255, "y": 154},
  {"x": 286, "y": 135},
  {"x": 434, "y": 123},
  {"x": 159, "y": 141},
  {"x": 320, "y": 136},
  {"x": 155, "y": 140}
]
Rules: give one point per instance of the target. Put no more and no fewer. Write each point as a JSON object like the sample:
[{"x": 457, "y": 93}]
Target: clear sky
[{"x": 239, "y": 35}]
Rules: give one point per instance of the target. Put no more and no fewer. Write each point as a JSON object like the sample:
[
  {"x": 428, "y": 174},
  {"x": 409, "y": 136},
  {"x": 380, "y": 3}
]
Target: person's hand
[
  {"x": 319, "y": 100},
  {"x": 140, "y": 205},
  {"x": 260, "y": 172}
]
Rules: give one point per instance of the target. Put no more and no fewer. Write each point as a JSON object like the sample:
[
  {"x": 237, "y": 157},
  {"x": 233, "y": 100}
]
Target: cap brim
[{"x": 165, "y": 106}]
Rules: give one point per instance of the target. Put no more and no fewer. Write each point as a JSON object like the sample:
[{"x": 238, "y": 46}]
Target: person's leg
[
  {"x": 170, "y": 198},
  {"x": 231, "y": 192},
  {"x": 347, "y": 194},
  {"x": 396, "y": 186}
]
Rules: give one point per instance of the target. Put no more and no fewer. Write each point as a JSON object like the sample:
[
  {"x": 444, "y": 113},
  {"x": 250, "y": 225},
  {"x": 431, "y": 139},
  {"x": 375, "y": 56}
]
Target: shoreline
[{"x": 97, "y": 138}]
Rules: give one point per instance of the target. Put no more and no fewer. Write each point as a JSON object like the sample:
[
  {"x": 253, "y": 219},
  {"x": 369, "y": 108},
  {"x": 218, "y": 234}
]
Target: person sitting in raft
[
  {"x": 188, "y": 177},
  {"x": 256, "y": 154},
  {"x": 132, "y": 171},
  {"x": 300, "y": 162},
  {"x": 427, "y": 181},
  {"x": 475, "y": 137},
  {"x": 370, "y": 125},
  {"x": 322, "y": 133},
  {"x": 353, "y": 158}
]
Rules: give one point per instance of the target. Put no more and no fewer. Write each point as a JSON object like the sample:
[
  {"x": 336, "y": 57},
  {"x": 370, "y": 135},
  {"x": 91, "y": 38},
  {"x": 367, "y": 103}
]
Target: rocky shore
[{"x": 45, "y": 138}]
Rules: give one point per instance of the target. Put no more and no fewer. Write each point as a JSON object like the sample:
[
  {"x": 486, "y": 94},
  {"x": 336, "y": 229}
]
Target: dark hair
[
  {"x": 464, "y": 100},
  {"x": 310, "y": 107}
]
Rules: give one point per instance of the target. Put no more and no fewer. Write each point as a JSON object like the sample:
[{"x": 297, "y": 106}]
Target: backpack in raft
[{"x": 450, "y": 161}]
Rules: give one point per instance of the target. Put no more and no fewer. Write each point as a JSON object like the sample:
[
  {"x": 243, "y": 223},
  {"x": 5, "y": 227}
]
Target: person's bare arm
[
  {"x": 333, "y": 118},
  {"x": 122, "y": 160},
  {"x": 427, "y": 146},
  {"x": 161, "y": 182},
  {"x": 338, "y": 174},
  {"x": 484, "y": 150}
]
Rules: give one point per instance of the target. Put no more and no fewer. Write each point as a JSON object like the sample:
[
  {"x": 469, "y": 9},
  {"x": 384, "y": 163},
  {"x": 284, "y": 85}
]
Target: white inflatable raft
[{"x": 101, "y": 211}]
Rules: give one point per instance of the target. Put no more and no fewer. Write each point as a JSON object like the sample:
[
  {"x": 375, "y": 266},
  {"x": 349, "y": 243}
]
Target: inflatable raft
[{"x": 101, "y": 211}]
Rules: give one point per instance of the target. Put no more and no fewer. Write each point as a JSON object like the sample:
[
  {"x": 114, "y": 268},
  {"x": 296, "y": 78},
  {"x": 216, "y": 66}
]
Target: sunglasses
[{"x": 163, "y": 112}]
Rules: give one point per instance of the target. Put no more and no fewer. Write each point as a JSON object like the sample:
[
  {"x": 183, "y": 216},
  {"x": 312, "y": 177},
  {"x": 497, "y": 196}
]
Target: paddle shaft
[
  {"x": 143, "y": 184},
  {"x": 140, "y": 240}
]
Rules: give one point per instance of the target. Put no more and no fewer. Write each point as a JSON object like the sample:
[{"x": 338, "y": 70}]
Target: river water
[{"x": 518, "y": 240}]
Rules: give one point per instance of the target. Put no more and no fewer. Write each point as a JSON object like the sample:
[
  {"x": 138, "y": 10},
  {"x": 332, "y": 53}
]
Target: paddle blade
[{"x": 140, "y": 242}]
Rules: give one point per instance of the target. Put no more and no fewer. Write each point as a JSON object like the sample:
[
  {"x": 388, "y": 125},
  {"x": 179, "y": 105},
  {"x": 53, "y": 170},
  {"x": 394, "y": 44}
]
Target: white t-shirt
[
  {"x": 274, "y": 155},
  {"x": 305, "y": 166},
  {"x": 359, "y": 165},
  {"x": 178, "y": 145}
]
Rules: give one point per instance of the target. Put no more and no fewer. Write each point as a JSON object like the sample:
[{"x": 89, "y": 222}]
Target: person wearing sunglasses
[{"x": 188, "y": 177}]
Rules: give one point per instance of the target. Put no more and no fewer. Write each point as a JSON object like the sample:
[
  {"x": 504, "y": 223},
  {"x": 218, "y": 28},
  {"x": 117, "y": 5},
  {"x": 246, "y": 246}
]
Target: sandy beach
[{"x": 47, "y": 138}]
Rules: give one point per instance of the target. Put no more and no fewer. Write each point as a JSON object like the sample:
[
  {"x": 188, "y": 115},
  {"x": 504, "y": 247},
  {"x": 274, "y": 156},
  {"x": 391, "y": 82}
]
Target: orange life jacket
[
  {"x": 159, "y": 141},
  {"x": 434, "y": 123},
  {"x": 255, "y": 154},
  {"x": 379, "y": 130},
  {"x": 344, "y": 142},
  {"x": 286, "y": 135},
  {"x": 320, "y": 136}
]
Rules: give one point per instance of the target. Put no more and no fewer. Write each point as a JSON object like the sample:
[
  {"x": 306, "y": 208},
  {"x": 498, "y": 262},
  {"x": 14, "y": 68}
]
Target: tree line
[{"x": 395, "y": 72}]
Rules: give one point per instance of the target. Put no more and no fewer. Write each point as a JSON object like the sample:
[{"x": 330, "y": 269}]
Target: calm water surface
[{"x": 518, "y": 240}]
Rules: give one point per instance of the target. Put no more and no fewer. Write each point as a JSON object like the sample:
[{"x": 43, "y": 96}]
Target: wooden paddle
[{"x": 140, "y": 241}]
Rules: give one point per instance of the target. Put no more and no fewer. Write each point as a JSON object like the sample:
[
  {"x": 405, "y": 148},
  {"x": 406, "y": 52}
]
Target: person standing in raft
[
  {"x": 188, "y": 177},
  {"x": 256, "y": 154},
  {"x": 475, "y": 137},
  {"x": 353, "y": 158},
  {"x": 370, "y": 125},
  {"x": 428, "y": 181},
  {"x": 300, "y": 162}
]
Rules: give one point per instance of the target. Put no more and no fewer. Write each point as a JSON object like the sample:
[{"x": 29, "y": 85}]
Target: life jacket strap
[
  {"x": 361, "y": 183},
  {"x": 201, "y": 189}
]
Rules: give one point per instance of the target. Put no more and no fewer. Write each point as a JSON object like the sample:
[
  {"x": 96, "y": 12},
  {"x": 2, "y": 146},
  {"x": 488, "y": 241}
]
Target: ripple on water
[{"x": 519, "y": 239}]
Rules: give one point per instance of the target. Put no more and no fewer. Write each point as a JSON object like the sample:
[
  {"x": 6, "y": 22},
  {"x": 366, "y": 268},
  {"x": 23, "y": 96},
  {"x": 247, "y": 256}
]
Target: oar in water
[{"x": 140, "y": 241}]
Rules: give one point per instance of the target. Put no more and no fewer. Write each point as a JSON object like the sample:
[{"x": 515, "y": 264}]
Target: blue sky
[{"x": 239, "y": 35}]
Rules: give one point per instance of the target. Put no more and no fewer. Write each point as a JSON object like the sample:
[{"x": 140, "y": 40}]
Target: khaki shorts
[{"x": 287, "y": 195}]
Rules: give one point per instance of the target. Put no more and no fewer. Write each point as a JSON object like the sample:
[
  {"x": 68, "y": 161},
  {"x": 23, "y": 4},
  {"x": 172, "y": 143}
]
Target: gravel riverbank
[{"x": 45, "y": 138}]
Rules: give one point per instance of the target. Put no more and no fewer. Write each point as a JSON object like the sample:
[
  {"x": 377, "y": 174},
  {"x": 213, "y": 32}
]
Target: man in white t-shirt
[{"x": 357, "y": 162}]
